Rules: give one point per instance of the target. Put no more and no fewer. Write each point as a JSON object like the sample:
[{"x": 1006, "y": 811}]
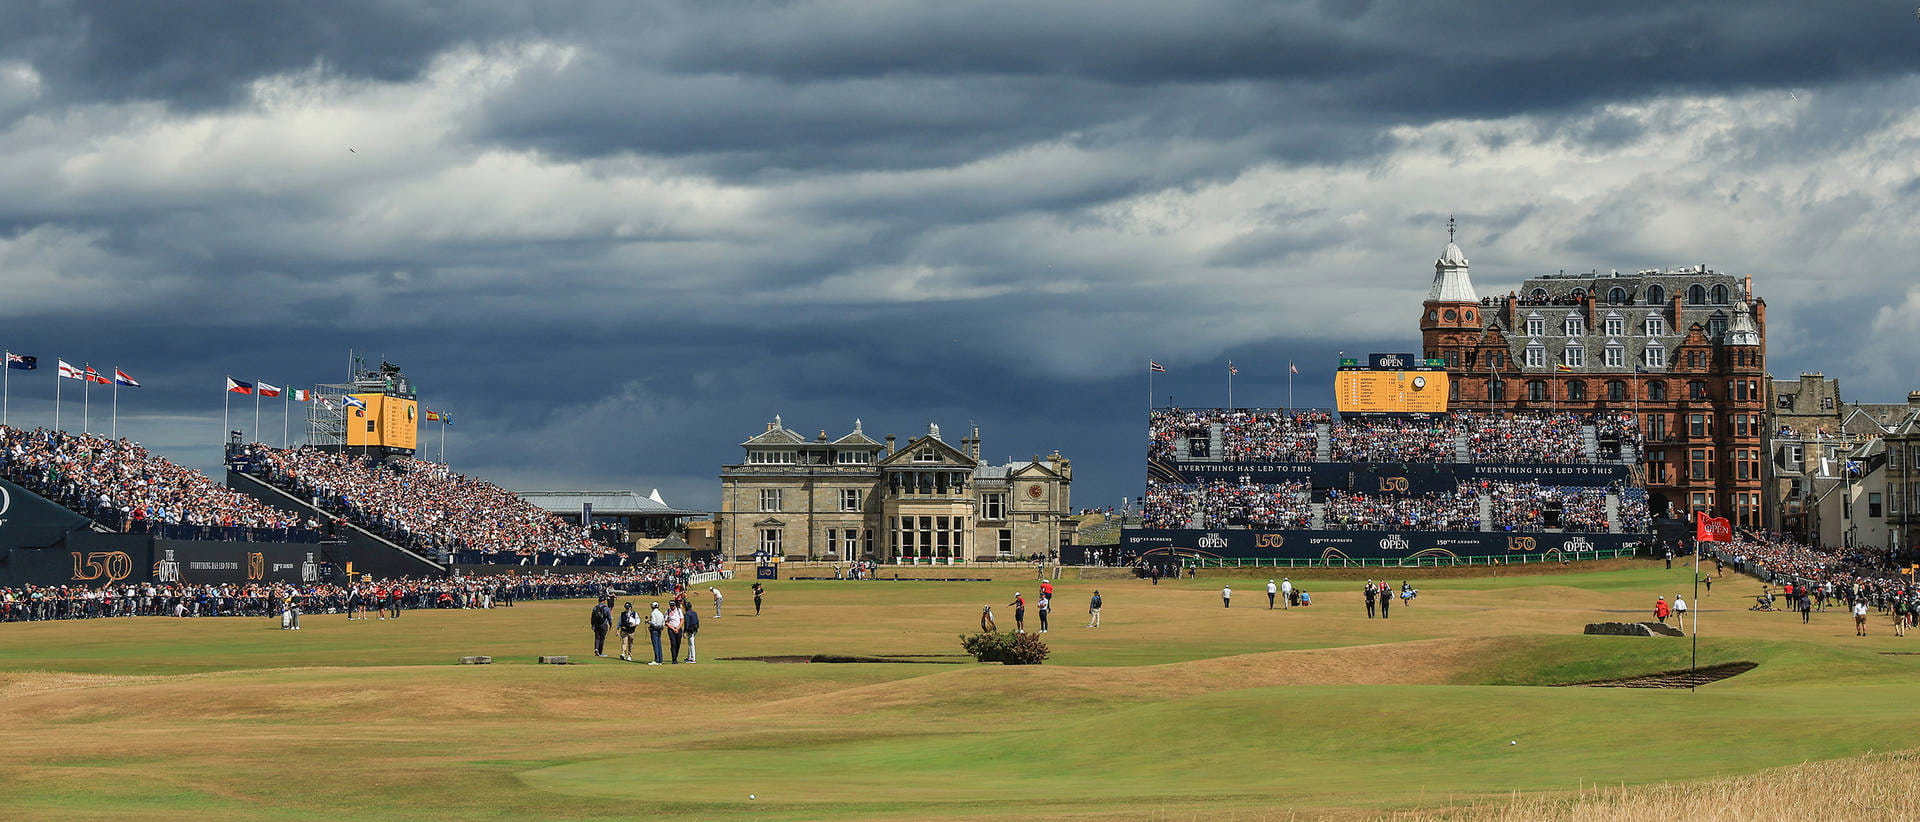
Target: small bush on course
[{"x": 1007, "y": 648}]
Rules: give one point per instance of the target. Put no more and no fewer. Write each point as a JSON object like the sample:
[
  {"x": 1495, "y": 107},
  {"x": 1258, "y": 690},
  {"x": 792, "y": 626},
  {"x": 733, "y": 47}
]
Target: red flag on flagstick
[{"x": 1712, "y": 529}]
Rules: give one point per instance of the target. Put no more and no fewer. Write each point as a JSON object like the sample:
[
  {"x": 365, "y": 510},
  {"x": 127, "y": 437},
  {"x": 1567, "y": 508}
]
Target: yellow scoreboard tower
[
  {"x": 387, "y": 422},
  {"x": 1391, "y": 384}
]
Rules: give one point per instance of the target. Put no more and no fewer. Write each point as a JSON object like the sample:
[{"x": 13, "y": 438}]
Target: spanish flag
[{"x": 432, "y": 415}]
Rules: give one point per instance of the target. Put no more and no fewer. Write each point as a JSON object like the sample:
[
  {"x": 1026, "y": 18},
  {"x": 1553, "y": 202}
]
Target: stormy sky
[{"x": 616, "y": 238}]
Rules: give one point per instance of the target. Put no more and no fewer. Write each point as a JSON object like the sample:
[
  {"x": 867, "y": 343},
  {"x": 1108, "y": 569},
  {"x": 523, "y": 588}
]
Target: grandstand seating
[
  {"x": 123, "y": 487},
  {"x": 425, "y": 506}
]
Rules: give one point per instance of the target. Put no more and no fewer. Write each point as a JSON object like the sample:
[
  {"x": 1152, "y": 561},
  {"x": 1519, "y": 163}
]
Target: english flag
[
  {"x": 1712, "y": 529},
  {"x": 268, "y": 389},
  {"x": 69, "y": 372},
  {"x": 302, "y": 395},
  {"x": 122, "y": 378},
  {"x": 1156, "y": 367},
  {"x": 236, "y": 386}
]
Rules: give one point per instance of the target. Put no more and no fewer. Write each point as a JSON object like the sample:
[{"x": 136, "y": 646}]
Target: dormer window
[
  {"x": 1536, "y": 325},
  {"x": 764, "y": 457},
  {"x": 1617, "y": 296},
  {"x": 1656, "y": 325},
  {"x": 1615, "y": 354},
  {"x": 1536, "y": 355},
  {"x": 1719, "y": 295},
  {"x": 1717, "y": 324},
  {"x": 1574, "y": 356},
  {"x": 1656, "y": 356},
  {"x": 1656, "y": 295},
  {"x": 855, "y": 457},
  {"x": 1576, "y": 325},
  {"x": 1616, "y": 325}
]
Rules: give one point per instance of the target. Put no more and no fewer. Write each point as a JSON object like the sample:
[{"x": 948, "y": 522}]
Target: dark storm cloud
[{"x": 616, "y": 237}]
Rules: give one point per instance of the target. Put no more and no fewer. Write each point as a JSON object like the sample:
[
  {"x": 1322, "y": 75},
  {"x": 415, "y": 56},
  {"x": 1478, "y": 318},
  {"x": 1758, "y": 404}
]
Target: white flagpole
[
  {"x": 1229, "y": 384},
  {"x": 57, "y": 377},
  {"x": 6, "y": 387},
  {"x": 1289, "y": 385},
  {"x": 226, "y": 413},
  {"x": 286, "y": 416},
  {"x": 443, "y": 439},
  {"x": 116, "y": 403},
  {"x": 1149, "y": 387},
  {"x": 86, "y": 399},
  {"x": 255, "y": 433}
]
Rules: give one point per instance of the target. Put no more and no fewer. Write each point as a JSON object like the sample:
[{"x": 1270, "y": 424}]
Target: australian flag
[{"x": 22, "y": 362}]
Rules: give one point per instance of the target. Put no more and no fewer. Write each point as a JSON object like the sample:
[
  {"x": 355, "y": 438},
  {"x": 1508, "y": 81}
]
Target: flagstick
[{"x": 1696, "y": 591}]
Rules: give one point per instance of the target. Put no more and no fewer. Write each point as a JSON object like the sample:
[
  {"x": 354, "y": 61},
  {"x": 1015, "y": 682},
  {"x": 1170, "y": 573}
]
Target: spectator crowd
[
  {"x": 1224, "y": 504},
  {"x": 259, "y": 599},
  {"x": 1456, "y": 510},
  {"x": 1290, "y": 436},
  {"x": 423, "y": 505},
  {"x": 123, "y": 486}
]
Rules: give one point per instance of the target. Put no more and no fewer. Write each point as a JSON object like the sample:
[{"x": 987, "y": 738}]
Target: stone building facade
[
  {"x": 1683, "y": 350},
  {"x": 1805, "y": 446},
  {"x": 856, "y": 498}
]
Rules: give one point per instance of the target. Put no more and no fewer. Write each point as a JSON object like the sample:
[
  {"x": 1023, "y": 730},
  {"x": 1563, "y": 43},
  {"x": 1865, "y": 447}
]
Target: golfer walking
[
  {"x": 1680, "y": 611},
  {"x": 1093, "y": 611},
  {"x": 1226, "y": 596},
  {"x": 1272, "y": 592},
  {"x": 629, "y": 624},
  {"x": 601, "y": 620},
  {"x": 1286, "y": 592}
]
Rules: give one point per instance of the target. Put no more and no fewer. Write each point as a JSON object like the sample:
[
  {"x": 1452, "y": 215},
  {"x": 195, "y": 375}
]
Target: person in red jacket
[{"x": 1660, "y": 610}]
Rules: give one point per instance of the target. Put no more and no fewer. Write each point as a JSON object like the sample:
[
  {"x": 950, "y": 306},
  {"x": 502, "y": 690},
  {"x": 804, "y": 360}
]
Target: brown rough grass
[{"x": 1876, "y": 786}]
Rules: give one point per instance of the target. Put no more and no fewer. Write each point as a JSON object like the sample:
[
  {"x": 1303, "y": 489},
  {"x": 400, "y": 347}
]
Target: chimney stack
[
  {"x": 973, "y": 450},
  {"x": 889, "y": 445}
]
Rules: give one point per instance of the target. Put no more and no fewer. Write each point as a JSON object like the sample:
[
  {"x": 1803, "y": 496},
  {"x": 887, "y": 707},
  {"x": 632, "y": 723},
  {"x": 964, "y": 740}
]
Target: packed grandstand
[
  {"x": 1182, "y": 443},
  {"x": 125, "y": 487},
  {"x": 1257, "y": 435},
  {"x": 423, "y": 505}
]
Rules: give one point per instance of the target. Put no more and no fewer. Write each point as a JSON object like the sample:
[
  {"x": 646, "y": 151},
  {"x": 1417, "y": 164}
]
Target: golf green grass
[{"x": 1175, "y": 708}]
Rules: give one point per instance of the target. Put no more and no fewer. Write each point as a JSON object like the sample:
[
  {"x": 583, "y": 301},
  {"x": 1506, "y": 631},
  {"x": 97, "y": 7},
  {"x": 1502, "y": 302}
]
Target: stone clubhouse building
[{"x": 856, "y": 498}]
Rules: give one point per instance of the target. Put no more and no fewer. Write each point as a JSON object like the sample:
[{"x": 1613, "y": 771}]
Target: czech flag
[
  {"x": 122, "y": 378},
  {"x": 238, "y": 387}
]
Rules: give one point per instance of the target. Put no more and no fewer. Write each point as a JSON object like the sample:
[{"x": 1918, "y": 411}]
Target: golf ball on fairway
[
  {"x": 751, "y": 796},
  {"x": 1514, "y": 742}
]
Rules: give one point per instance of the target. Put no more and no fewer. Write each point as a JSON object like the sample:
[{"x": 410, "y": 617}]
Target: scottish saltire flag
[
  {"x": 67, "y": 371},
  {"x": 22, "y": 362},
  {"x": 302, "y": 395},
  {"x": 268, "y": 389},
  {"x": 122, "y": 378},
  {"x": 1156, "y": 367},
  {"x": 233, "y": 385},
  {"x": 351, "y": 401}
]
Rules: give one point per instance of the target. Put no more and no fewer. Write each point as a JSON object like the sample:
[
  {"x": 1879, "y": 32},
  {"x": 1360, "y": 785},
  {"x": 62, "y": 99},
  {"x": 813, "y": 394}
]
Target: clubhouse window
[
  {"x": 770, "y": 541},
  {"x": 770, "y": 499},
  {"x": 849, "y": 499},
  {"x": 772, "y": 457},
  {"x": 856, "y": 457},
  {"x": 993, "y": 506}
]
